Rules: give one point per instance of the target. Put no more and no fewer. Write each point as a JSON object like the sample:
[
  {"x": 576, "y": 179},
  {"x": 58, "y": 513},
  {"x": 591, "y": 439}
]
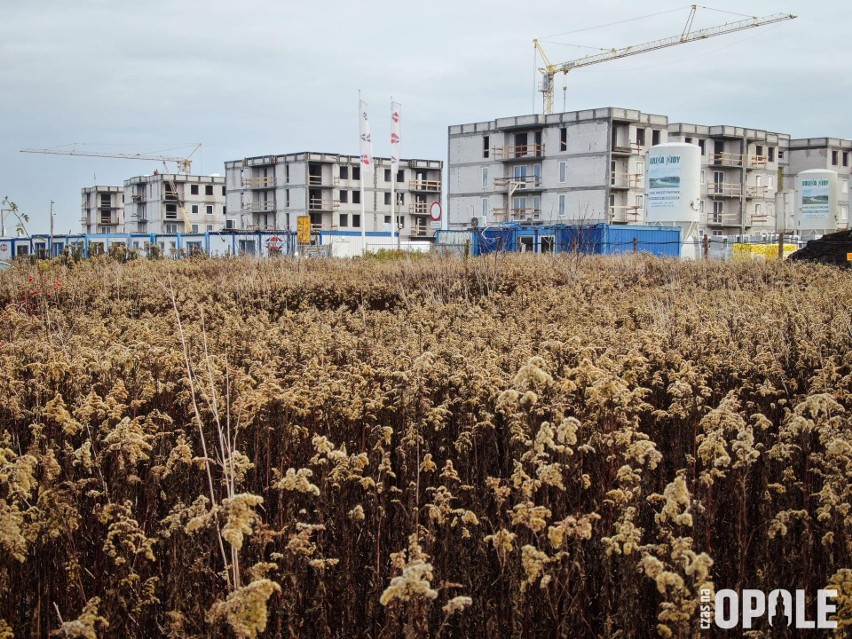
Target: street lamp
[{"x": 50, "y": 240}]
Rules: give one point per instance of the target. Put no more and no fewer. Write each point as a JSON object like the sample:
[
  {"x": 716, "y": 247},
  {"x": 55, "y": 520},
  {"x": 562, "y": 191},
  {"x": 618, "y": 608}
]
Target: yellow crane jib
[
  {"x": 549, "y": 70},
  {"x": 184, "y": 164}
]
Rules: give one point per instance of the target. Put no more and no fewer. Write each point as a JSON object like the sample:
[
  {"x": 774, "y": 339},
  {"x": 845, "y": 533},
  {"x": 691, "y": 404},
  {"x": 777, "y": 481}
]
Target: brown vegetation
[{"x": 505, "y": 447}]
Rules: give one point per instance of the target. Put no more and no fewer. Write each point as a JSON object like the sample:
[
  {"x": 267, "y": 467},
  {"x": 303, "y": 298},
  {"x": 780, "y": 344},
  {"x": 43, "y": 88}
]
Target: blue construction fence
[
  {"x": 178, "y": 245},
  {"x": 603, "y": 239},
  {"x": 598, "y": 239},
  {"x": 216, "y": 244}
]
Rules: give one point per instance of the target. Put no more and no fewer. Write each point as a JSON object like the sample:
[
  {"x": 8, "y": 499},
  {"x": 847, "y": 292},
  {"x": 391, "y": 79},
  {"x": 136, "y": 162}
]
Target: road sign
[
  {"x": 435, "y": 224},
  {"x": 304, "y": 229},
  {"x": 435, "y": 210}
]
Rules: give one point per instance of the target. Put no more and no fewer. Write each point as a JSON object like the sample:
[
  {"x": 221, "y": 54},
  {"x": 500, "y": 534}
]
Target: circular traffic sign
[{"x": 435, "y": 211}]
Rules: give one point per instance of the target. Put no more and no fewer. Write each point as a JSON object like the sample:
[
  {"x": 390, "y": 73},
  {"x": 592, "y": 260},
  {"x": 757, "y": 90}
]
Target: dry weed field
[{"x": 513, "y": 446}]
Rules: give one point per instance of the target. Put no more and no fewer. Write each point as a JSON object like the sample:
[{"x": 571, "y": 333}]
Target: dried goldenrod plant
[{"x": 518, "y": 446}]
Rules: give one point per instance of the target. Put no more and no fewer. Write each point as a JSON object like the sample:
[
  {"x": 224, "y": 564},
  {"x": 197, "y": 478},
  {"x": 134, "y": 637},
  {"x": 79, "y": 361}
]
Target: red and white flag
[
  {"x": 366, "y": 142},
  {"x": 394, "y": 154}
]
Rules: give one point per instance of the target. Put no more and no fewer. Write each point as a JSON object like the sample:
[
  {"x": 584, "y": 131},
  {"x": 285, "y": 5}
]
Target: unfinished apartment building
[
  {"x": 832, "y": 154},
  {"x": 102, "y": 209},
  {"x": 740, "y": 171},
  {"x": 175, "y": 203},
  {"x": 575, "y": 167},
  {"x": 270, "y": 192}
]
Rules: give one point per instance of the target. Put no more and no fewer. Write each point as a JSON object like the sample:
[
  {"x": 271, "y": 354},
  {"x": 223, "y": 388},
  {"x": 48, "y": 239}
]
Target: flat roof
[
  {"x": 820, "y": 143},
  {"x": 725, "y": 131},
  {"x": 334, "y": 158},
  {"x": 535, "y": 120},
  {"x": 176, "y": 177}
]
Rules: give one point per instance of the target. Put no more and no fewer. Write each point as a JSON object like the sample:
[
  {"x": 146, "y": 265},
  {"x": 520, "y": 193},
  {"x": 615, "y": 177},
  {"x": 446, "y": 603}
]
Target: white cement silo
[
  {"x": 673, "y": 191},
  {"x": 816, "y": 208}
]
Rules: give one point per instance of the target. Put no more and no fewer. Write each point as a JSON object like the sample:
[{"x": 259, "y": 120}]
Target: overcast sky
[{"x": 252, "y": 77}]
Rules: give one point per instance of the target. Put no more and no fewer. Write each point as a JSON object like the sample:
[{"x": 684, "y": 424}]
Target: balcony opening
[{"x": 520, "y": 144}]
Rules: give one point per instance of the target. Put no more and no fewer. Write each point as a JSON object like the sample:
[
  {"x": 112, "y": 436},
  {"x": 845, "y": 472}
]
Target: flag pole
[
  {"x": 361, "y": 181},
  {"x": 366, "y": 168},
  {"x": 395, "y": 157},
  {"x": 363, "y": 217},
  {"x": 394, "y": 226}
]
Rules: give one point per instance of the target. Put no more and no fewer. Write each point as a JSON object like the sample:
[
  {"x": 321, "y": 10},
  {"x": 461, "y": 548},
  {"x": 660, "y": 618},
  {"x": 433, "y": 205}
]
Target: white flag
[
  {"x": 366, "y": 142},
  {"x": 394, "y": 155}
]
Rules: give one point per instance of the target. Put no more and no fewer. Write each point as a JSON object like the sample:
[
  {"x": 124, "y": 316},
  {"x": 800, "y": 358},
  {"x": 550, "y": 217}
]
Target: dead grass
[{"x": 578, "y": 446}]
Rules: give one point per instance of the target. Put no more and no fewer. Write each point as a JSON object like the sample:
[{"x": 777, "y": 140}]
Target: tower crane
[
  {"x": 549, "y": 70},
  {"x": 184, "y": 165}
]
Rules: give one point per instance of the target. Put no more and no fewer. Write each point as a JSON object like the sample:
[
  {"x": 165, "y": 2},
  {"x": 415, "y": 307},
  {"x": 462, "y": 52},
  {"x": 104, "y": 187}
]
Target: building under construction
[
  {"x": 832, "y": 154},
  {"x": 102, "y": 209},
  {"x": 578, "y": 167},
  {"x": 739, "y": 176},
  {"x": 175, "y": 203},
  {"x": 273, "y": 191}
]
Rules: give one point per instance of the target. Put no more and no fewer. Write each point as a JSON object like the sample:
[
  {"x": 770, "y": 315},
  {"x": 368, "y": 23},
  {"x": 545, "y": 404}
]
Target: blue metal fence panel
[
  {"x": 611, "y": 239},
  {"x": 495, "y": 238},
  {"x": 657, "y": 240},
  {"x": 581, "y": 239}
]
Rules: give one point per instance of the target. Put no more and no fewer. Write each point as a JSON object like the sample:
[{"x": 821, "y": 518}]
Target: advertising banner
[
  {"x": 815, "y": 199},
  {"x": 664, "y": 182}
]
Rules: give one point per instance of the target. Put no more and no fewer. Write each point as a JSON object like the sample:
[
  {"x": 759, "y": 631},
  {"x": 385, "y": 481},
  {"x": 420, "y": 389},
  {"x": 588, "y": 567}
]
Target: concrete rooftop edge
[{"x": 320, "y": 156}]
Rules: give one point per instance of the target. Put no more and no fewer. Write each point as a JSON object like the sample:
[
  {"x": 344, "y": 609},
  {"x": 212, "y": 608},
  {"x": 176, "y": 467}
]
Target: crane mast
[{"x": 549, "y": 70}]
